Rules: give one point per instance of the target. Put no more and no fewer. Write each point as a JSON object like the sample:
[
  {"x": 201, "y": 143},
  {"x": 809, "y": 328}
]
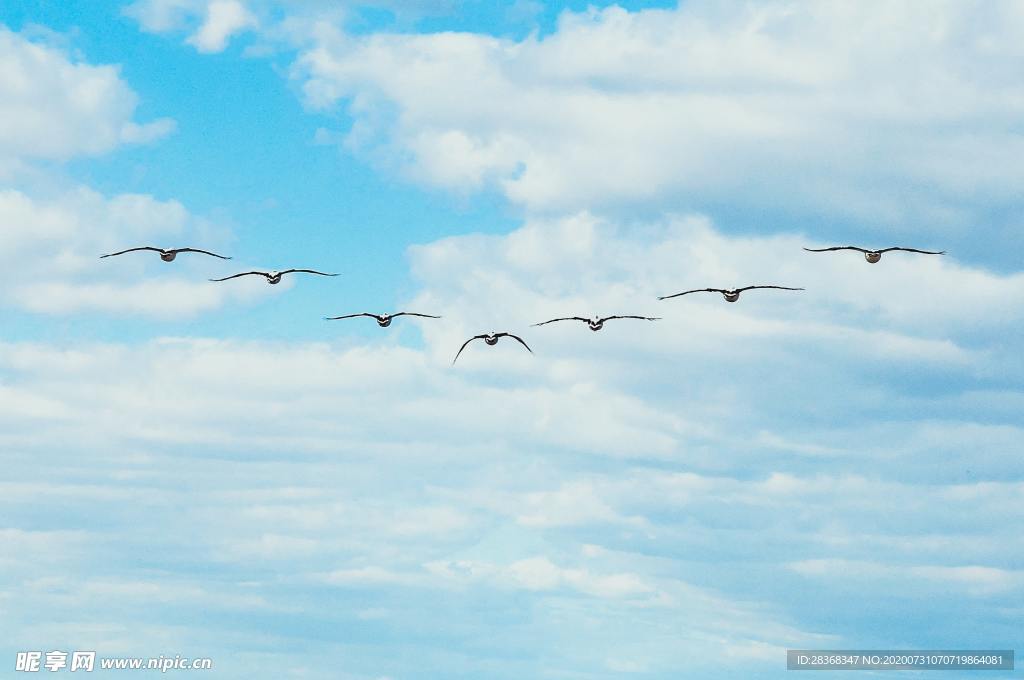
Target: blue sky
[{"x": 205, "y": 469}]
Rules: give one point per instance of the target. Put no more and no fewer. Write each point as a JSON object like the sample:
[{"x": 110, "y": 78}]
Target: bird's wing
[
  {"x": 306, "y": 271},
  {"x": 779, "y": 287},
  {"x": 426, "y": 316},
  {"x": 631, "y": 316},
  {"x": 521, "y": 341},
  {"x": 475, "y": 337},
  {"x": 235, "y": 276},
  {"x": 199, "y": 250},
  {"x": 914, "y": 250},
  {"x": 822, "y": 250},
  {"x": 562, "y": 318},
  {"x": 348, "y": 316},
  {"x": 131, "y": 250},
  {"x": 695, "y": 290}
]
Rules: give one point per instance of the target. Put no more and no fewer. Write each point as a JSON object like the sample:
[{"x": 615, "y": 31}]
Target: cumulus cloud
[
  {"x": 163, "y": 15},
  {"x": 887, "y": 331},
  {"x": 842, "y": 109},
  {"x": 920, "y": 308},
  {"x": 55, "y": 107},
  {"x": 51, "y": 245},
  {"x": 841, "y": 113},
  {"x": 212, "y": 22},
  {"x": 224, "y": 18}
]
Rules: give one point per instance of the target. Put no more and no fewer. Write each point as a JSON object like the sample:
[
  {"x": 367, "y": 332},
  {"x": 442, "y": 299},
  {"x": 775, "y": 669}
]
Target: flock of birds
[{"x": 595, "y": 323}]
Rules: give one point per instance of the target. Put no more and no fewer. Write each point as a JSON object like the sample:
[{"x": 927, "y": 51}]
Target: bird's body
[
  {"x": 383, "y": 320},
  {"x": 274, "y": 277},
  {"x": 730, "y": 294},
  {"x": 874, "y": 256},
  {"x": 166, "y": 254},
  {"x": 491, "y": 339},
  {"x": 596, "y": 323}
]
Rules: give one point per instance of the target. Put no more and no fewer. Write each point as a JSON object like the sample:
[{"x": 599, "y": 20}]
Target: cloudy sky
[{"x": 210, "y": 469}]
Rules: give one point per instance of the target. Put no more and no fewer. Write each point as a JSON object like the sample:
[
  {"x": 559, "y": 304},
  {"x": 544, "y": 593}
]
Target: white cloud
[
  {"x": 925, "y": 308},
  {"x": 580, "y": 390},
  {"x": 54, "y": 107},
  {"x": 41, "y": 545},
  {"x": 575, "y": 503},
  {"x": 224, "y": 18},
  {"x": 843, "y": 108},
  {"x": 211, "y": 24},
  {"x": 628, "y": 491},
  {"x": 150, "y": 132},
  {"x": 622, "y": 485},
  {"x": 975, "y": 580},
  {"x": 51, "y": 247},
  {"x": 539, "y": 573},
  {"x": 368, "y": 575},
  {"x": 163, "y": 15},
  {"x": 163, "y": 298}
]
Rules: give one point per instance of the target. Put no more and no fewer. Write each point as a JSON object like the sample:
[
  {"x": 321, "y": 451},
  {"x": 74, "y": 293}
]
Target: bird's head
[
  {"x": 872, "y": 256},
  {"x": 731, "y": 295}
]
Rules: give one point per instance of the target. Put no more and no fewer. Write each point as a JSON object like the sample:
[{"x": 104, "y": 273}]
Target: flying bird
[
  {"x": 730, "y": 294},
  {"x": 490, "y": 339},
  {"x": 383, "y": 320},
  {"x": 274, "y": 277},
  {"x": 166, "y": 254},
  {"x": 597, "y": 323},
  {"x": 874, "y": 256}
]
